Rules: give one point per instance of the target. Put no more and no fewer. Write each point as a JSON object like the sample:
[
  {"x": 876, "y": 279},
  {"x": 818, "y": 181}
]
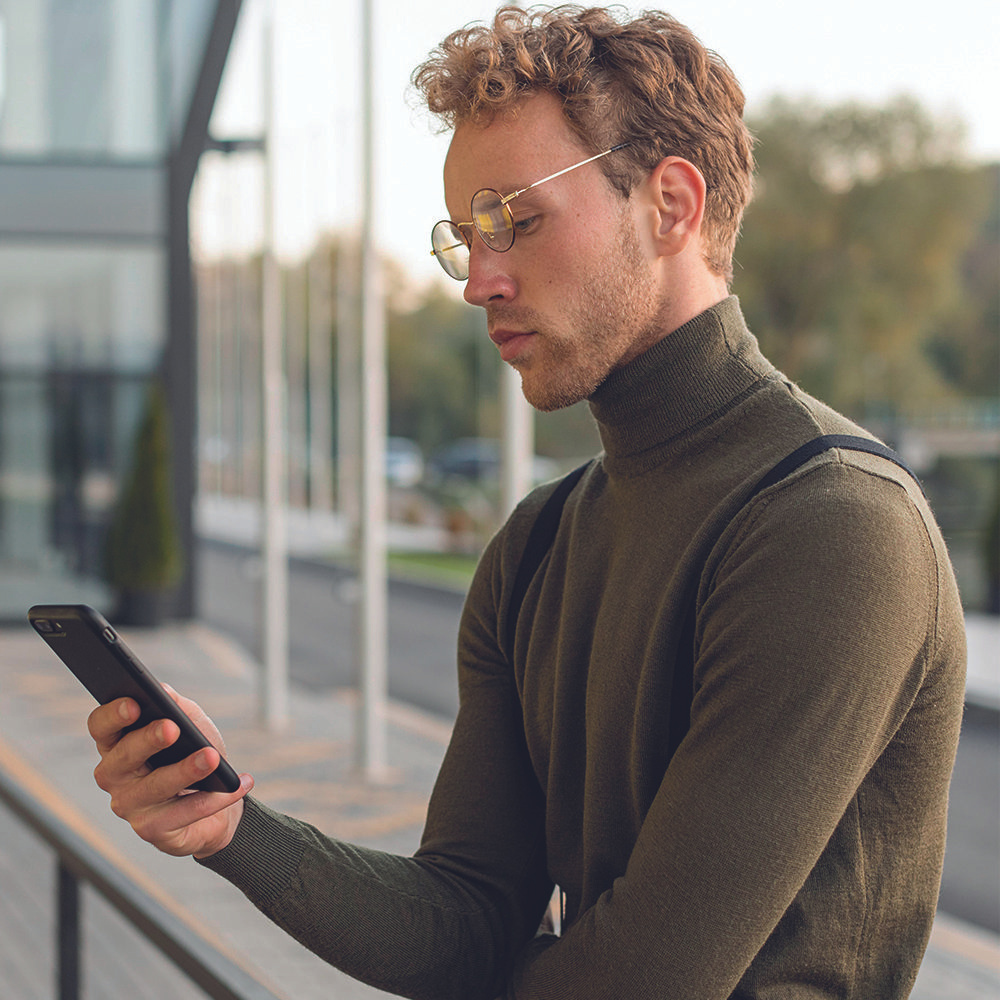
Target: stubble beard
[{"x": 616, "y": 310}]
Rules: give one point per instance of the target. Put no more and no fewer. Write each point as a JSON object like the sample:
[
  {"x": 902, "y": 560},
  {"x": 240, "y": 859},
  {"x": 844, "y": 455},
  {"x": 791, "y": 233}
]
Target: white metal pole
[
  {"x": 348, "y": 389},
  {"x": 320, "y": 376},
  {"x": 218, "y": 434},
  {"x": 373, "y": 604},
  {"x": 517, "y": 441},
  {"x": 274, "y": 548}
]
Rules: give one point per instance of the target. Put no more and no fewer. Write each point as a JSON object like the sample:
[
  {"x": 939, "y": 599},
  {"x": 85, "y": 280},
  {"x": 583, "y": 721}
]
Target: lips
[{"x": 510, "y": 342}]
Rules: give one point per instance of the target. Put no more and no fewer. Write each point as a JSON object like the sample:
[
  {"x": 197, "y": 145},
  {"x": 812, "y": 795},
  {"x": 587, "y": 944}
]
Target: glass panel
[
  {"x": 76, "y": 76},
  {"x": 82, "y": 77},
  {"x": 89, "y": 305},
  {"x": 3, "y": 62},
  {"x": 80, "y": 333}
]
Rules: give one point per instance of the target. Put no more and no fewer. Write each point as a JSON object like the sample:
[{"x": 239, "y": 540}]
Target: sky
[{"x": 868, "y": 50}]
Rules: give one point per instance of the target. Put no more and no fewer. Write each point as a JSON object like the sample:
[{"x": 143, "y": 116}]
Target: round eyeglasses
[{"x": 492, "y": 219}]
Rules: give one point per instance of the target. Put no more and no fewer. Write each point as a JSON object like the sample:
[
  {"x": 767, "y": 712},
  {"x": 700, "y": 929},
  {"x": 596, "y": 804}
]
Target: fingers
[
  {"x": 106, "y": 722},
  {"x": 199, "y": 823},
  {"x": 163, "y": 811},
  {"x": 124, "y": 756},
  {"x": 159, "y": 803},
  {"x": 197, "y": 715}
]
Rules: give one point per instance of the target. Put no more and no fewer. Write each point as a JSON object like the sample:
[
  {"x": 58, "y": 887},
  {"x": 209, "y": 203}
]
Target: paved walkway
[{"x": 307, "y": 770}]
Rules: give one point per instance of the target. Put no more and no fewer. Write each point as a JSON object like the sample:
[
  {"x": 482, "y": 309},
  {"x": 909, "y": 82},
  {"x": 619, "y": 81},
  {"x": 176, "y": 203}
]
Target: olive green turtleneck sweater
[{"x": 793, "y": 846}]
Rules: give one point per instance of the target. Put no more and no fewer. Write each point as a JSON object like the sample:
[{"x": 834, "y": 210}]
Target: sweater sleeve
[
  {"x": 817, "y": 645},
  {"x": 449, "y": 922}
]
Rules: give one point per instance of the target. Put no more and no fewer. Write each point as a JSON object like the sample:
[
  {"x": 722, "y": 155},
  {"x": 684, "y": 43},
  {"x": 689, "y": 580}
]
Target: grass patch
[{"x": 448, "y": 568}]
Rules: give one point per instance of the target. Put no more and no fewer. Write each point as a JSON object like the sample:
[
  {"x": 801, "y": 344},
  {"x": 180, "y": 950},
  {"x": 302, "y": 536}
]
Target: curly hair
[{"x": 647, "y": 82}]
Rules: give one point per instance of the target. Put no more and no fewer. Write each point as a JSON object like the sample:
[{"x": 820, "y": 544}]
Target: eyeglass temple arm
[
  {"x": 565, "y": 170},
  {"x": 454, "y": 246}
]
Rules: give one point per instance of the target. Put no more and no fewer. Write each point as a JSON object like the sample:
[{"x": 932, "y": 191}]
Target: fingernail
[
  {"x": 201, "y": 761},
  {"x": 125, "y": 711}
]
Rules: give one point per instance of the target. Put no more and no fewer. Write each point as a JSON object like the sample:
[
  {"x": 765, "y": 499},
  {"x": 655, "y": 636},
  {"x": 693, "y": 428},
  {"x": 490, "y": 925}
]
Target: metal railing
[{"x": 218, "y": 976}]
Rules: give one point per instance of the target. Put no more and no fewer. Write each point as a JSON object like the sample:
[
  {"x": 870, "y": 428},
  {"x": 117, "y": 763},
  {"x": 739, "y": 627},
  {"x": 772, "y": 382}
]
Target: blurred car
[
  {"x": 404, "y": 462},
  {"x": 479, "y": 460}
]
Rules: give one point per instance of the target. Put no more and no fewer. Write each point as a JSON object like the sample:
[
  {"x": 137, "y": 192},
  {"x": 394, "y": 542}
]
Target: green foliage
[
  {"x": 454, "y": 569},
  {"x": 143, "y": 548},
  {"x": 441, "y": 366},
  {"x": 966, "y": 348},
  {"x": 853, "y": 265}
]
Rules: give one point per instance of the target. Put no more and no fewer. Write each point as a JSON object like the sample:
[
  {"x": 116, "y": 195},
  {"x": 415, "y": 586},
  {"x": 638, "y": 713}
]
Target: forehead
[{"x": 511, "y": 150}]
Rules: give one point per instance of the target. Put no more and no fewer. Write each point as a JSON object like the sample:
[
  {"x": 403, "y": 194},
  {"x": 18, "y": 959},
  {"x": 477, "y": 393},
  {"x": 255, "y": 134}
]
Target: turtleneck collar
[{"x": 682, "y": 380}]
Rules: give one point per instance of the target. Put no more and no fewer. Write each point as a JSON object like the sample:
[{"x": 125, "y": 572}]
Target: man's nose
[{"x": 489, "y": 278}]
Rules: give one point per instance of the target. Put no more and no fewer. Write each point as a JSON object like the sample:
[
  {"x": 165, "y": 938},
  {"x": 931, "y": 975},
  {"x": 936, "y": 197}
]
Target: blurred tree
[
  {"x": 851, "y": 263},
  {"x": 967, "y": 349},
  {"x": 144, "y": 558},
  {"x": 437, "y": 374}
]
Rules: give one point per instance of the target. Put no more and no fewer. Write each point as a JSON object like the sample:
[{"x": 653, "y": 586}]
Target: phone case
[{"x": 86, "y": 642}]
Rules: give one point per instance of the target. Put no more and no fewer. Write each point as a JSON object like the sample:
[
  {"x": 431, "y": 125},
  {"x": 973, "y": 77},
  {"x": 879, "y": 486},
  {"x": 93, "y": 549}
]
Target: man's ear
[{"x": 676, "y": 189}]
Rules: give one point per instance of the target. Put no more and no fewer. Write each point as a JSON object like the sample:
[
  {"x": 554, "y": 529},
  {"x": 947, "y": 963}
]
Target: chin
[{"x": 547, "y": 396}]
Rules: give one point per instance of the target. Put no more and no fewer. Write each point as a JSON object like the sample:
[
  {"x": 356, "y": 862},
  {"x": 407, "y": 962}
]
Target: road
[
  {"x": 970, "y": 887},
  {"x": 322, "y": 599},
  {"x": 423, "y": 623}
]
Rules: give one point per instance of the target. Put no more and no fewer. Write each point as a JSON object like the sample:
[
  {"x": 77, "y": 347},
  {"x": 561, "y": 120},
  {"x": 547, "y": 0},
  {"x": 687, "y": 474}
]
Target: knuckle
[
  {"x": 96, "y": 727},
  {"x": 144, "y": 829},
  {"x": 100, "y": 777},
  {"x": 119, "y": 808}
]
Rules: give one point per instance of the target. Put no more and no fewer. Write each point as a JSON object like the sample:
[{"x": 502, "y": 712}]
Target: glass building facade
[{"x": 104, "y": 108}]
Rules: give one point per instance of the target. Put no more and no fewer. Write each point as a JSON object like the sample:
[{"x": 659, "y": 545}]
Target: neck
[
  {"x": 680, "y": 383},
  {"x": 689, "y": 288},
  {"x": 685, "y": 288}
]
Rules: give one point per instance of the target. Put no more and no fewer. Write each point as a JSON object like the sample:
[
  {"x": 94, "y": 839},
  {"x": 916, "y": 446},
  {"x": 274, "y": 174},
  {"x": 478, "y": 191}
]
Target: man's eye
[{"x": 525, "y": 224}]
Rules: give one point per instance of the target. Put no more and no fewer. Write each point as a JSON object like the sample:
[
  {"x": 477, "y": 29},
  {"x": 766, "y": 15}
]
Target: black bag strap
[
  {"x": 540, "y": 538},
  {"x": 803, "y": 453}
]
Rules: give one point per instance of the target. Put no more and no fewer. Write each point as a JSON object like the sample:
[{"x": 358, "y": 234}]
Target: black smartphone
[{"x": 85, "y": 641}]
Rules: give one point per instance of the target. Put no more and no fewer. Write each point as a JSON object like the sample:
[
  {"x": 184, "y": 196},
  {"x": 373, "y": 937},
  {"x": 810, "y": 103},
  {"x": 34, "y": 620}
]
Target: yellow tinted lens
[
  {"x": 493, "y": 220},
  {"x": 451, "y": 249}
]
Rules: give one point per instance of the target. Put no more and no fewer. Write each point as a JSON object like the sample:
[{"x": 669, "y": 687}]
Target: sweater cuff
[{"x": 264, "y": 855}]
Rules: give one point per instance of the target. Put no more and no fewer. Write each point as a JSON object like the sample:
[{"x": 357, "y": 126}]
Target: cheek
[{"x": 582, "y": 252}]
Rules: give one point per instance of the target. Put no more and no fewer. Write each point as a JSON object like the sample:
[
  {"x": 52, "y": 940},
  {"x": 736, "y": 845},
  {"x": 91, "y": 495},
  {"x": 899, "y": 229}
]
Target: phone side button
[{"x": 109, "y": 635}]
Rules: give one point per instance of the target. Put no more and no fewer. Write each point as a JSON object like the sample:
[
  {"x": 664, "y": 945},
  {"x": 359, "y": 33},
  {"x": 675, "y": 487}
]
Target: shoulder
[
  {"x": 845, "y": 545},
  {"x": 846, "y": 491}
]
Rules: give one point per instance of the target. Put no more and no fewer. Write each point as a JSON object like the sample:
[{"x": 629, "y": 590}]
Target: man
[{"x": 791, "y": 844}]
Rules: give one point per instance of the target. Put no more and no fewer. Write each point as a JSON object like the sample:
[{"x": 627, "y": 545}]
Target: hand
[{"x": 157, "y": 803}]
